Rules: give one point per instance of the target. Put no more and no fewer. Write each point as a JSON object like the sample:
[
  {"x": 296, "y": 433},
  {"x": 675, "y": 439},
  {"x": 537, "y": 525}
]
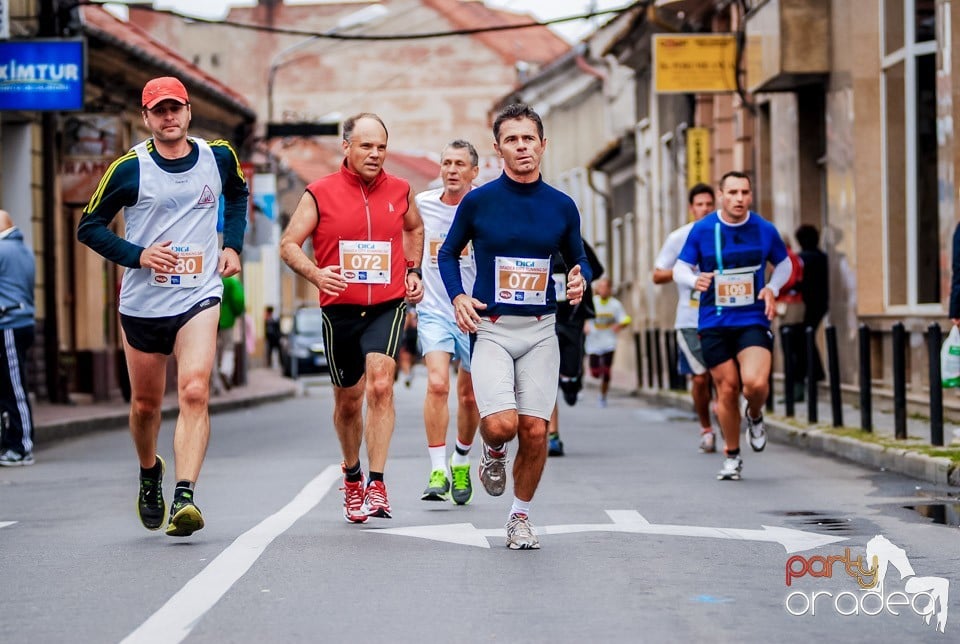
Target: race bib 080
[{"x": 188, "y": 271}]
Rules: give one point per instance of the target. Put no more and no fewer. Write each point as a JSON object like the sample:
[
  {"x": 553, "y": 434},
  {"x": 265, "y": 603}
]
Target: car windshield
[{"x": 309, "y": 322}]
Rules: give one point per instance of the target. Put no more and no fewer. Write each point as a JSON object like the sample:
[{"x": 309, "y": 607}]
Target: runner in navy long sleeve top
[
  {"x": 508, "y": 218},
  {"x": 516, "y": 224}
]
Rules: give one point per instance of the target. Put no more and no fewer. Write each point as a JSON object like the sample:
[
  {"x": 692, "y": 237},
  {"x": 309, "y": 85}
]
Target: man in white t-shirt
[
  {"x": 440, "y": 339},
  {"x": 601, "y": 339},
  {"x": 689, "y": 353}
]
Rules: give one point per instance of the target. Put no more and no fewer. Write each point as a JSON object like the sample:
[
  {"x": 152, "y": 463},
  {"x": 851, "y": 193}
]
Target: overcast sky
[{"x": 541, "y": 9}]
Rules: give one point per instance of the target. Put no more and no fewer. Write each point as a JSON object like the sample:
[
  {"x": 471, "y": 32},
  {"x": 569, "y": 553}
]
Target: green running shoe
[
  {"x": 185, "y": 517},
  {"x": 151, "y": 507},
  {"x": 438, "y": 488},
  {"x": 462, "y": 486}
]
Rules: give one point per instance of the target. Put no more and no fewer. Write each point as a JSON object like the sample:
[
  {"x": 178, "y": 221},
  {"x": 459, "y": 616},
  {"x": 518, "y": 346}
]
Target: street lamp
[{"x": 362, "y": 17}]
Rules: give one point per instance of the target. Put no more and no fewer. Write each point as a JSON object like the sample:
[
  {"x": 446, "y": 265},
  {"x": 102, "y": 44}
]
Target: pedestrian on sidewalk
[
  {"x": 17, "y": 275},
  {"x": 271, "y": 334},
  {"x": 700, "y": 203},
  {"x": 731, "y": 248},
  {"x": 370, "y": 221},
  {"x": 232, "y": 307},
  {"x": 441, "y": 341},
  {"x": 169, "y": 188},
  {"x": 516, "y": 223}
]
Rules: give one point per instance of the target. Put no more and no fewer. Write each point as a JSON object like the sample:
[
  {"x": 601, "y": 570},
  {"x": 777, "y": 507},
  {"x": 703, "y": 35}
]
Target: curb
[
  {"x": 932, "y": 469},
  {"x": 45, "y": 435}
]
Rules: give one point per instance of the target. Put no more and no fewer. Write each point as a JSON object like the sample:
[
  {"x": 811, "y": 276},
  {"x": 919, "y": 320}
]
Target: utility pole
[{"x": 49, "y": 28}]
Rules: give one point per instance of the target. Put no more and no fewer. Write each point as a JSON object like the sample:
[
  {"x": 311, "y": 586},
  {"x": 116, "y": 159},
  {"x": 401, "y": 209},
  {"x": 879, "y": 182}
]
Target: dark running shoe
[
  {"x": 555, "y": 447},
  {"x": 185, "y": 517},
  {"x": 151, "y": 507}
]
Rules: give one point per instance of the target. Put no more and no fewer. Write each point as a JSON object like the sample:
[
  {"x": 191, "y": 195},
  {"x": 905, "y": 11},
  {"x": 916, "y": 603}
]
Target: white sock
[
  {"x": 438, "y": 457},
  {"x": 520, "y": 507},
  {"x": 458, "y": 458}
]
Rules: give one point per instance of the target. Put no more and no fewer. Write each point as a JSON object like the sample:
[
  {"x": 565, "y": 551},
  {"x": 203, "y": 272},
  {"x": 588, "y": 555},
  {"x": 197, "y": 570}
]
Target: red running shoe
[
  {"x": 376, "y": 499},
  {"x": 353, "y": 500}
]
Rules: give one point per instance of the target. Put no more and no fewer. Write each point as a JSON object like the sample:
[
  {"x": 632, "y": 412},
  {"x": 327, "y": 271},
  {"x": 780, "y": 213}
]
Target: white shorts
[
  {"x": 516, "y": 364},
  {"x": 438, "y": 333}
]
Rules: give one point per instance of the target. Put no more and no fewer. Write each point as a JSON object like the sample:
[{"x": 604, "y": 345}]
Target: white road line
[
  {"x": 175, "y": 619},
  {"x": 4, "y": 524}
]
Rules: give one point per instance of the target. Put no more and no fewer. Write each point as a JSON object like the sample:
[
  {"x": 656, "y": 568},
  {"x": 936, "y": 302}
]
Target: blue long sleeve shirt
[{"x": 526, "y": 222}]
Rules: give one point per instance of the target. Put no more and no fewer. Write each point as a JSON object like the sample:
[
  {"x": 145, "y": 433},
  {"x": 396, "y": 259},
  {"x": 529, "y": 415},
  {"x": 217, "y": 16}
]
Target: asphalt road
[{"x": 640, "y": 543}]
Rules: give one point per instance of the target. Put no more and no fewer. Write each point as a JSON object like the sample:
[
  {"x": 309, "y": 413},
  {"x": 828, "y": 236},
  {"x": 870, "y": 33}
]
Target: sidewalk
[
  {"x": 879, "y": 450},
  {"x": 56, "y": 422}
]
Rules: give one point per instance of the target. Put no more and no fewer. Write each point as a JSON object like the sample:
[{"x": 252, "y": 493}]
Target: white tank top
[
  {"x": 181, "y": 207},
  {"x": 437, "y": 217}
]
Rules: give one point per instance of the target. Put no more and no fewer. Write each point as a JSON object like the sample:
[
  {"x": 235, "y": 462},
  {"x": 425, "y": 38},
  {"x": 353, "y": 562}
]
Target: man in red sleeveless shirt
[{"x": 368, "y": 241}]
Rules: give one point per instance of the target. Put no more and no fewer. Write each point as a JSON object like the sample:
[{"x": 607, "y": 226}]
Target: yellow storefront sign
[
  {"x": 698, "y": 156},
  {"x": 692, "y": 64}
]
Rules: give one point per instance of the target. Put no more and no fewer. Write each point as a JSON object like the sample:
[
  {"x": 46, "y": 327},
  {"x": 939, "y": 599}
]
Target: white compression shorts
[{"x": 515, "y": 365}]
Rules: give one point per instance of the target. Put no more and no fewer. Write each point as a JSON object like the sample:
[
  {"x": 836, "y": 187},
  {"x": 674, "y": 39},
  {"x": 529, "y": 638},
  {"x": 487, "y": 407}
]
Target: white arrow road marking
[
  {"x": 630, "y": 521},
  {"x": 4, "y": 524},
  {"x": 175, "y": 619}
]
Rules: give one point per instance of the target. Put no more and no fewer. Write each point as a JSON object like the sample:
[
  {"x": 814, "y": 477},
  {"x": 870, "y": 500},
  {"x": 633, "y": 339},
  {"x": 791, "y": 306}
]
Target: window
[{"x": 910, "y": 198}]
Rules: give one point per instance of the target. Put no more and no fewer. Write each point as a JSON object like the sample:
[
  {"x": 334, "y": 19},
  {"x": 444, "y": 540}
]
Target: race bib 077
[{"x": 521, "y": 280}]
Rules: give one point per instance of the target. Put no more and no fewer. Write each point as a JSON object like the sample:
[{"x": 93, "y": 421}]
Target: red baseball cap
[{"x": 164, "y": 88}]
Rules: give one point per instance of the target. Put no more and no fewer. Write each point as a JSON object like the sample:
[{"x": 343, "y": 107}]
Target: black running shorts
[
  {"x": 158, "y": 335},
  {"x": 351, "y": 331},
  {"x": 724, "y": 343}
]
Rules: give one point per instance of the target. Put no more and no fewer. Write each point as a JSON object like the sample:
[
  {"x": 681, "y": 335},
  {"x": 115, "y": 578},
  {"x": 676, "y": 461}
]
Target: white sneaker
[
  {"x": 708, "y": 443},
  {"x": 520, "y": 534},
  {"x": 756, "y": 433},
  {"x": 731, "y": 469}
]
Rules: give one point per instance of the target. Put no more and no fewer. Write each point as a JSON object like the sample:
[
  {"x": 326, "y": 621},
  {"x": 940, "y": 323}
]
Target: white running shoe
[
  {"x": 493, "y": 470},
  {"x": 732, "y": 465},
  {"x": 520, "y": 534},
  {"x": 708, "y": 442},
  {"x": 756, "y": 433}
]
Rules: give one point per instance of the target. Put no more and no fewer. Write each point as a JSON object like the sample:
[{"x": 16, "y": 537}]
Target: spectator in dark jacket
[{"x": 815, "y": 288}]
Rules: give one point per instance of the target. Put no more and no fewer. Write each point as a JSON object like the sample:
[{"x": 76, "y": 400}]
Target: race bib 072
[{"x": 365, "y": 262}]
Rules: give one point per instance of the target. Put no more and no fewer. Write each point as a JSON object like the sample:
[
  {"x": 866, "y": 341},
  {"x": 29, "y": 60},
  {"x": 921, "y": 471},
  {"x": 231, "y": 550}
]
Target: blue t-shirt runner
[{"x": 737, "y": 255}]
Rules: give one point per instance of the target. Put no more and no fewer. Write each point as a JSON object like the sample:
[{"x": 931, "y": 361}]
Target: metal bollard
[
  {"x": 899, "y": 381},
  {"x": 934, "y": 340},
  {"x": 811, "y": 349},
  {"x": 866, "y": 398},
  {"x": 659, "y": 353},
  {"x": 786, "y": 337},
  {"x": 836, "y": 400},
  {"x": 650, "y": 380},
  {"x": 638, "y": 356}
]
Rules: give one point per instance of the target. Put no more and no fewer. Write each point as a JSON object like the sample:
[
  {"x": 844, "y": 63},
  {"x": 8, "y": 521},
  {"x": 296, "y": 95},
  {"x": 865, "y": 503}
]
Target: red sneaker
[
  {"x": 376, "y": 499},
  {"x": 353, "y": 501}
]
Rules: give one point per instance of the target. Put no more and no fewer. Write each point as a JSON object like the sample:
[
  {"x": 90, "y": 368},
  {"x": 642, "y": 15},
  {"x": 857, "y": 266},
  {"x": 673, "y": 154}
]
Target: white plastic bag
[{"x": 950, "y": 359}]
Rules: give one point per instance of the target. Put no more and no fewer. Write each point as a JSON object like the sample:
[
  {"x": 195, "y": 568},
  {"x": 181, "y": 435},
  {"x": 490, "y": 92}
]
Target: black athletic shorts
[
  {"x": 724, "y": 343},
  {"x": 351, "y": 331},
  {"x": 158, "y": 335}
]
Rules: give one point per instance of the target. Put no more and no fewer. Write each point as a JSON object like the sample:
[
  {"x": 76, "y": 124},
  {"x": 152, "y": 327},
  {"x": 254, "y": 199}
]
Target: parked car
[{"x": 302, "y": 348}]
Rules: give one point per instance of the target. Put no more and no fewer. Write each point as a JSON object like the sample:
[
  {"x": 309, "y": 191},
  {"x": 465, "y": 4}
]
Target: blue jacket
[{"x": 17, "y": 275}]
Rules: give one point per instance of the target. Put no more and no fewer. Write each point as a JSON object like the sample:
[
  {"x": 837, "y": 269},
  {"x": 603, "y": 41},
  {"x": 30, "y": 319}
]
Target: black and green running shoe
[
  {"x": 150, "y": 505},
  {"x": 185, "y": 517}
]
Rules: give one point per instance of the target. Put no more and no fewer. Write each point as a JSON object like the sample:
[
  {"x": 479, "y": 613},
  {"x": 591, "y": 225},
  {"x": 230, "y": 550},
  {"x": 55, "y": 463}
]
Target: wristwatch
[{"x": 415, "y": 270}]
